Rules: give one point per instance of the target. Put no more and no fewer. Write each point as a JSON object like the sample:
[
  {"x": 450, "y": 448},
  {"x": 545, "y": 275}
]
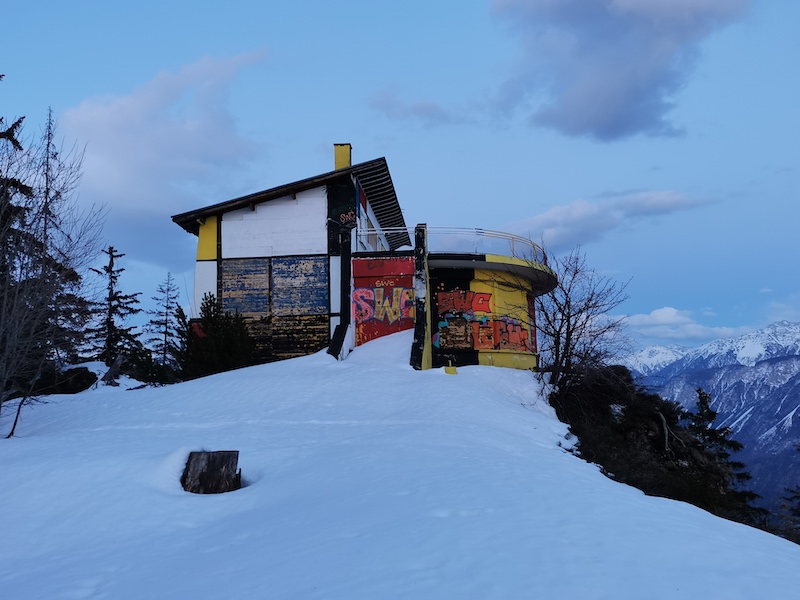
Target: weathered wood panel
[
  {"x": 260, "y": 329},
  {"x": 298, "y": 335},
  {"x": 284, "y": 299},
  {"x": 245, "y": 284},
  {"x": 300, "y": 286}
]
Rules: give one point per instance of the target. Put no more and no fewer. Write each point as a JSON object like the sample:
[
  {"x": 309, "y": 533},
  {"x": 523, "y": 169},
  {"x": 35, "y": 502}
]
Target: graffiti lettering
[
  {"x": 511, "y": 335},
  {"x": 347, "y": 217},
  {"x": 459, "y": 333},
  {"x": 384, "y": 283},
  {"x": 460, "y": 301},
  {"x": 364, "y": 304},
  {"x": 377, "y": 304}
]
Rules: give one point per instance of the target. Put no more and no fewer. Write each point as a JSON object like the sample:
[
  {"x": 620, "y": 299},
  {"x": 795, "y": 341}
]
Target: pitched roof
[{"x": 373, "y": 176}]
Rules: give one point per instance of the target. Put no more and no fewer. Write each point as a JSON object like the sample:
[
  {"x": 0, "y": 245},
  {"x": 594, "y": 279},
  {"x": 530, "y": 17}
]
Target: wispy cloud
[
  {"x": 671, "y": 324},
  {"x": 427, "y": 113},
  {"x": 158, "y": 150},
  {"x": 607, "y": 69},
  {"x": 582, "y": 221},
  {"x": 786, "y": 309}
]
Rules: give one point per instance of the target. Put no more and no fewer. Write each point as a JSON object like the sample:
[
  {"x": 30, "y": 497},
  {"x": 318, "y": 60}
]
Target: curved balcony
[{"x": 460, "y": 247}]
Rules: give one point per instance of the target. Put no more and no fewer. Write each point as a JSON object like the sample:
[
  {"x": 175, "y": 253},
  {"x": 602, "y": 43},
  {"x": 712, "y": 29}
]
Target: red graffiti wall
[{"x": 383, "y": 296}]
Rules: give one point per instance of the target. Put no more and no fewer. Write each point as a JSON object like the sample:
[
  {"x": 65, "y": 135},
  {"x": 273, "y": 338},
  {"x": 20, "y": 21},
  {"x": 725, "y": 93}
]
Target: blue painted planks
[{"x": 300, "y": 285}]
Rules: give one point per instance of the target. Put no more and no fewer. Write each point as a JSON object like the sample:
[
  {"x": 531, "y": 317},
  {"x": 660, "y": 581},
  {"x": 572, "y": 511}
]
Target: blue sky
[{"x": 659, "y": 135}]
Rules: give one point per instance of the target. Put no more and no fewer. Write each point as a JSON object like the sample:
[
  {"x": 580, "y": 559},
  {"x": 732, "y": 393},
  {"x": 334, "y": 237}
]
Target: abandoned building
[{"x": 329, "y": 262}]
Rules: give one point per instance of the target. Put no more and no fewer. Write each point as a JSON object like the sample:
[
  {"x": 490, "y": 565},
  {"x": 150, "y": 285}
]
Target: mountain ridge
[{"x": 754, "y": 382}]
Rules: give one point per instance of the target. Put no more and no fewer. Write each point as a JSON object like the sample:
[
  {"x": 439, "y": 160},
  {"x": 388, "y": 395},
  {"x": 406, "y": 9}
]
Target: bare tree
[
  {"x": 575, "y": 319},
  {"x": 46, "y": 242}
]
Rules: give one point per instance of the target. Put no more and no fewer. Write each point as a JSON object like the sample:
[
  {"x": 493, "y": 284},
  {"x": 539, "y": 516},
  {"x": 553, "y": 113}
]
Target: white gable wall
[
  {"x": 281, "y": 227},
  {"x": 205, "y": 282}
]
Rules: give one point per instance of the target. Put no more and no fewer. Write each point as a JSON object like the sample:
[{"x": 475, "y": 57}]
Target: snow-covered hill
[
  {"x": 366, "y": 479},
  {"x": 754, "y": 382}
]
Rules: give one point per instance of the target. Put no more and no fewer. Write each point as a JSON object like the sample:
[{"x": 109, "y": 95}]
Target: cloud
[
  {"x": 669, "y": 323},
  {"x": 428, "y": 114},
  {"x": 607, "y": 69},
  {"x": 583, "y": 221},
  {"x": 787, "y": 309},
  {"x": 160, "y": 150}
]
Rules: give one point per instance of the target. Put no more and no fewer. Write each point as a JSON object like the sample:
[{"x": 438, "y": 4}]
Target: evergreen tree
[
  {"x": 44, "y": 244},
  {"x": 641, "y": 439},
  {"x": 218, "y": 342},
  {"x": 179, "y": 351},
  {"x": 716, "y": 442},
  {"x": 111, "y": 337},
  {"x": 9, "y": 134},
  {"x": 721, "y": 476},
  {"x": 163, "y": 325}
]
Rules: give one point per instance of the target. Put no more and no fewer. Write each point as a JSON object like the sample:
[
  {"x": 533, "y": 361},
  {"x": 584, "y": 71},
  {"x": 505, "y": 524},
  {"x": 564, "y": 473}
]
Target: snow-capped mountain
[
  {"x": 774, "y": 341},
  {"x": 654, "y": 358},
  {"x": 754, "y": 382}
]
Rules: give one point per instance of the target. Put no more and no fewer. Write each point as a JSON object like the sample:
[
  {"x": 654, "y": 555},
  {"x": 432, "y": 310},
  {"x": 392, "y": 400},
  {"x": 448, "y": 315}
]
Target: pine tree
[
  {"x": 162, "y": 327},
  {"x": 218, "y": 342},
  {"x": 179, "y": 351},
  {"x": 111, "y": 337},
  {"x": 721, "y": 476}
]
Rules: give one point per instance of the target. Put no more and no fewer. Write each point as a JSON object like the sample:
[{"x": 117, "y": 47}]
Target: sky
[
  {"x": 364, "y": 479},
  {"x": 659, "y": 136}
]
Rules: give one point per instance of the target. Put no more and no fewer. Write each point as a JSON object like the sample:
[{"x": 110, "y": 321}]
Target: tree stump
[{"x": 212, "y": 472}]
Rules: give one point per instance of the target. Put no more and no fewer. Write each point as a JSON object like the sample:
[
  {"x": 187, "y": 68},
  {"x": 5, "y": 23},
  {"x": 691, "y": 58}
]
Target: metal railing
[{"x": 470, "y": 241}]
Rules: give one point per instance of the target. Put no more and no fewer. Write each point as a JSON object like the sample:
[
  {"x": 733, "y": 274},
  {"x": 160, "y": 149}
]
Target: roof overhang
[{"x": 373, "y": 177}]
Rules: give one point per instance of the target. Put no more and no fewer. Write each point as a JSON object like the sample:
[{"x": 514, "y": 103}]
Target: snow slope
[{"x": 366, "y": 480}]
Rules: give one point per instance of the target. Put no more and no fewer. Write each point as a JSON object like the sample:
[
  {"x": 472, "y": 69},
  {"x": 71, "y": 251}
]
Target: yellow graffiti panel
[{"x": 509, "y": 293}]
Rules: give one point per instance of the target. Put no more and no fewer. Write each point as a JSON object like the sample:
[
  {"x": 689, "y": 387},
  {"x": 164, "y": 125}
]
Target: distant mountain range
[{"x": 754, "y": 382}]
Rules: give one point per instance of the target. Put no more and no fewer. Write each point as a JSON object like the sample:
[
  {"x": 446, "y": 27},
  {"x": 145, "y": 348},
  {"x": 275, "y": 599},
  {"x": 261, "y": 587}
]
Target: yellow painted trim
[
  {"x": 508, "y": 260},
  {"x": 509, "y": 360},
  {"x": 207, "y": 240}
]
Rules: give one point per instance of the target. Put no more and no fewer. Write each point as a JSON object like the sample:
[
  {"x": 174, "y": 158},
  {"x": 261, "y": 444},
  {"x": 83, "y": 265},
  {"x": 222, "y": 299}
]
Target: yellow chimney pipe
[{"x": 342, "y": 155}]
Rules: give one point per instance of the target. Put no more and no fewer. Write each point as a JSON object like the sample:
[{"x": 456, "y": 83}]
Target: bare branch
[{"x": 575, "y": 319}]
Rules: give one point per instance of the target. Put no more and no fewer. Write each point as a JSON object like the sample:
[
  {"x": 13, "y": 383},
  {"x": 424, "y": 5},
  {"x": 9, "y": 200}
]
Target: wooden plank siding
[
  {"x": 245, "y": 286},
  {"x": 300, "y": 285},
  {"x": 285, "y": 300}
]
